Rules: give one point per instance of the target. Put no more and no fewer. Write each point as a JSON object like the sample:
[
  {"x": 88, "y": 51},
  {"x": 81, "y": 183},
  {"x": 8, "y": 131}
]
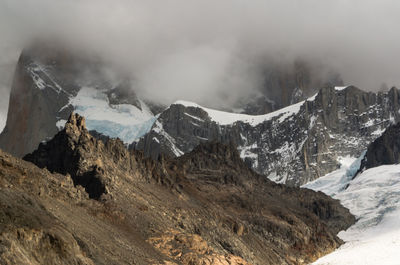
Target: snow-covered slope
[
  {"x": 226, "y": 118},
  {"x": 374, "y": 198}
]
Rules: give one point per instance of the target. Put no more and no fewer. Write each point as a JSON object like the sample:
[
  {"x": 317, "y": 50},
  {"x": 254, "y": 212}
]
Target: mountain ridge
[{"x": 304, "y": 139}]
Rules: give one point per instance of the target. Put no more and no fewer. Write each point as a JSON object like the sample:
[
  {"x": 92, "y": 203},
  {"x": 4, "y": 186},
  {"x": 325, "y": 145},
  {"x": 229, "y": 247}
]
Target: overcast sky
[{"x": 195, "y": 49}]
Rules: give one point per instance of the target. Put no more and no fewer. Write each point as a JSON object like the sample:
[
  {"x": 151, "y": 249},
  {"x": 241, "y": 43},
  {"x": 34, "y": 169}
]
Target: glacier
[
  {"x": 124, "y": 121},
  {"x": 373, "y": 196}
]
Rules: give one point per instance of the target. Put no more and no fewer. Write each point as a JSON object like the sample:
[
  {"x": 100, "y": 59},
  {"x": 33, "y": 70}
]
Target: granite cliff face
[
  {"x": 293, "y": 145},
  {"x": 205, "y": 207}
]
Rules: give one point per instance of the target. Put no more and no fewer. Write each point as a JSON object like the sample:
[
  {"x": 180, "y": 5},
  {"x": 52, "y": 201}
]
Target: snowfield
[{"x": 374, "y": 198}]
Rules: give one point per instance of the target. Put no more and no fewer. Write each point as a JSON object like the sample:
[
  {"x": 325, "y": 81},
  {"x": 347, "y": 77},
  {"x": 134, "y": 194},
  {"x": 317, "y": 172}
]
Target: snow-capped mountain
[
  {"x": 48, "y": 86},
  {"x": 293, "y": 145}
]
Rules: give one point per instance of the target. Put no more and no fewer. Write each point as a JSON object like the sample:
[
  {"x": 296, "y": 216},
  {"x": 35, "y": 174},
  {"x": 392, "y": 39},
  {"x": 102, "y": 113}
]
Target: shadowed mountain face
[
  {"x": 385, "y": 150},
  {"x": 205, "y": 207}
]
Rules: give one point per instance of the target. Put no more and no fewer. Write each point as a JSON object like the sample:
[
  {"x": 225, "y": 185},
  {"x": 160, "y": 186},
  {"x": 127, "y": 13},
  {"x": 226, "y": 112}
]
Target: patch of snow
[
  {"x": 156, "y": 140},
  {"x": 312, "y": 121},
  {"x": 369, "y": 123},
  {"x": 60, "y": 124},
  {"x": 193, "y": 117},
  {"x": 378, "y": 132},
  {"x": 248, "y": 152},
  {"x": 312, "y": 98},
  {"x": 35, "y": 70},
  {"x": 339, "y": 88},
  {"x": 39, "y": 82},
  {"x": 277, "y": 178},
  {"x": 195, "y": 124}
]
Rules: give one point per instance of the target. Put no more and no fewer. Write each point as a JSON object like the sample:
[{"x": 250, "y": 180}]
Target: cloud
[{"x": 208, "y": 50}]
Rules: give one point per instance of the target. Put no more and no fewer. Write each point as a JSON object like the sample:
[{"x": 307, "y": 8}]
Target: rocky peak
[
  {"x": 76, "y": 125},
  {"x": 67, "y": 153}
]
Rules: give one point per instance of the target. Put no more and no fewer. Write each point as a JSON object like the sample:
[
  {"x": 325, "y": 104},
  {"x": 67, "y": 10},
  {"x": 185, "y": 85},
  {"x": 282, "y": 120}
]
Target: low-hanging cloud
[{"x": 209, "y": 51}]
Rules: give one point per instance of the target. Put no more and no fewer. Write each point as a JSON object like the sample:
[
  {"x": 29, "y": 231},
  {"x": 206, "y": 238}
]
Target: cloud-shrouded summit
[{"x": 211, "y": 51}]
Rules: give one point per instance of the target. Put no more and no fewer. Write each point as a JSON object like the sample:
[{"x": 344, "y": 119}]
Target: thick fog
[{"x": 209, "y": 51}]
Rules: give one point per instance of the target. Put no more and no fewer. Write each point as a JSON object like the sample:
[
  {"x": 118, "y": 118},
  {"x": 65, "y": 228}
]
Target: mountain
[
  {"x": 50, "y": 82},
  {"x": 293, "y": 145},
  {"x": 96, "y": 203}
]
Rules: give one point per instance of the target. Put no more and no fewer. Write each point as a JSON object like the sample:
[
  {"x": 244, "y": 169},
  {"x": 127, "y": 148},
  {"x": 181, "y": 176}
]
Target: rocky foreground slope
[
  {"x": 293, "y": 145},
  {"x": 105, "y": 205}
]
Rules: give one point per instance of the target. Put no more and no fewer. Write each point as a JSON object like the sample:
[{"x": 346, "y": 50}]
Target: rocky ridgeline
[
  {"x": 292, "y": 146},
  {"x": 103, "y": 204}
]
